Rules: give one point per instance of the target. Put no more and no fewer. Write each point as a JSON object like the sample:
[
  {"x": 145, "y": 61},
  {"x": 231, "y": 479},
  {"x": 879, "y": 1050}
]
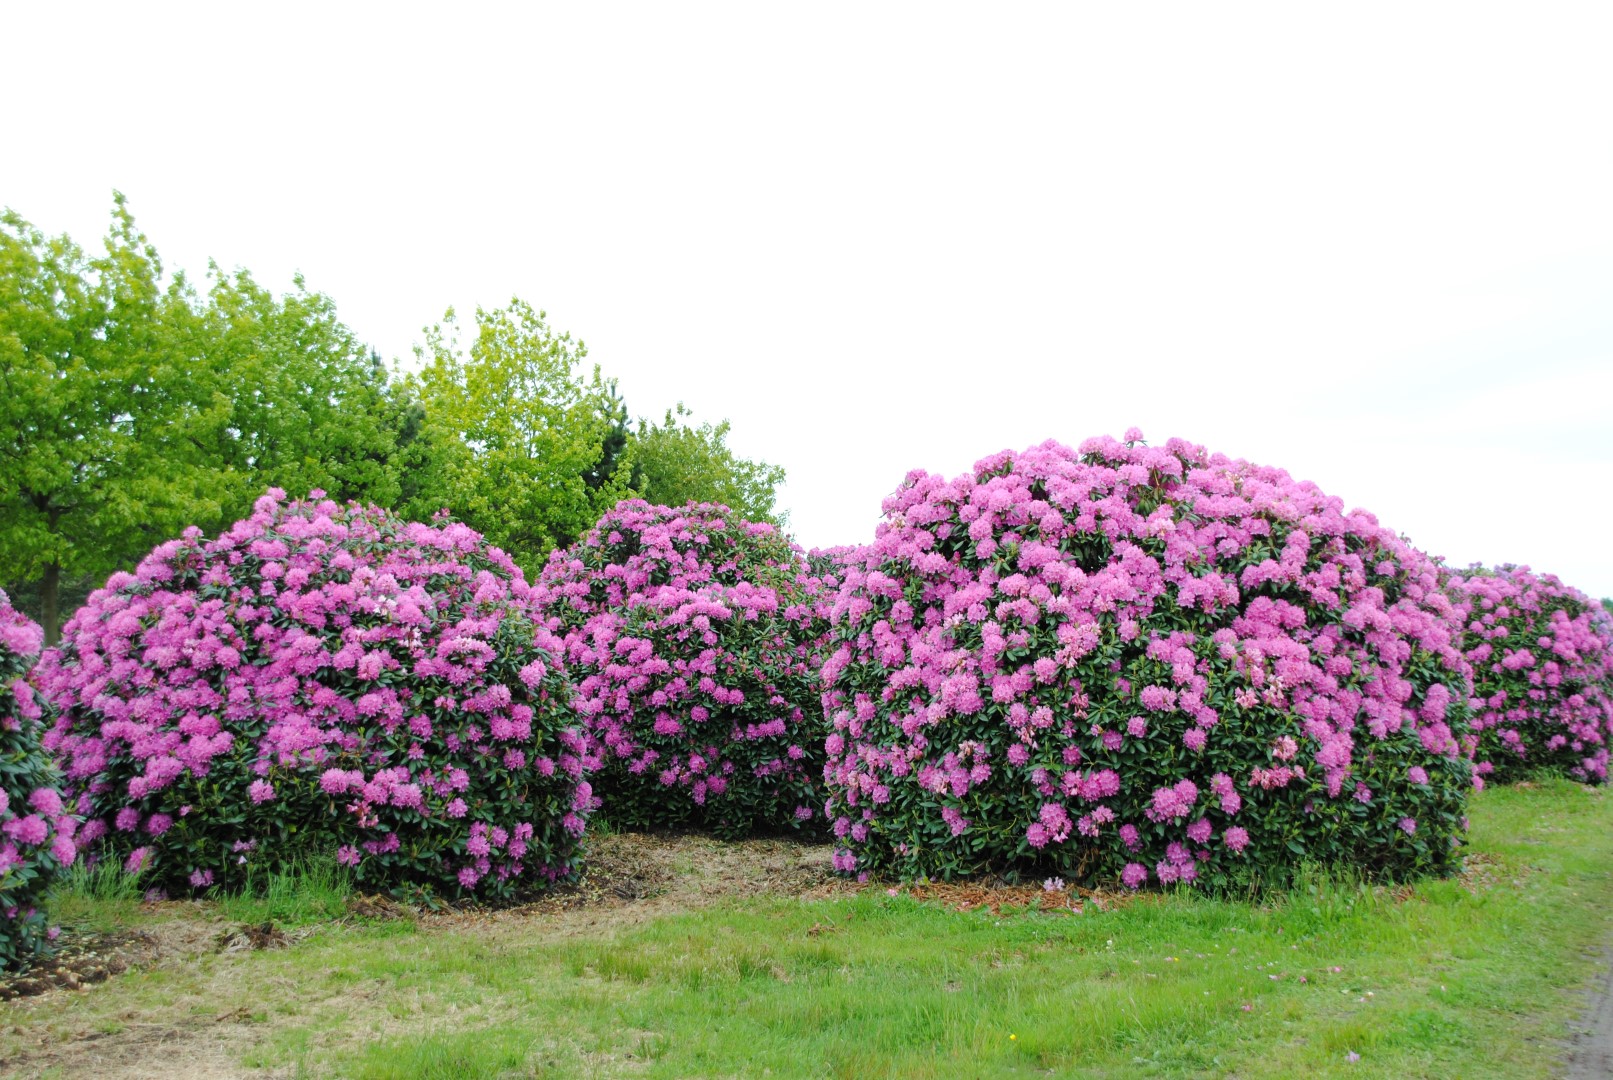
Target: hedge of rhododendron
[
  {"x": 830, "y": 564},
  {"x": 321, "y": 681},
  {"x": 36, "y": 828},
  {"x": 1143, "y": 664},
  {"x": 694, "y": 638},
  {"x": 1542, "y": 656}
]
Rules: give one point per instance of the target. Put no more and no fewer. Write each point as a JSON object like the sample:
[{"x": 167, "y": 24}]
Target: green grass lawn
[{"x": 1471, "y": 977}]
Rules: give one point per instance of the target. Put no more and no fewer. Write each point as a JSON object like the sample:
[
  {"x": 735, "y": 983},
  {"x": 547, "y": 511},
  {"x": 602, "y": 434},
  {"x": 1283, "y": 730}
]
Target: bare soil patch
[{"x": 1590, "y": 1048}]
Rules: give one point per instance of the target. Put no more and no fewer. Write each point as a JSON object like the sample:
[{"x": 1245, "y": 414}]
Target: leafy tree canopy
[
  {"x": 676, "y": 462},
  {"x": 131, "y": 406},
  {"x": 516, "y": 434},
  {"x": 104, "y": 426},
  {"x": 311, "y": 406}
]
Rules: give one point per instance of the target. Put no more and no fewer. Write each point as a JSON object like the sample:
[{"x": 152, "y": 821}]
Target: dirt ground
[
  {"x": 1590, "y": 1053},
  {"x": 630, "y": 878}
]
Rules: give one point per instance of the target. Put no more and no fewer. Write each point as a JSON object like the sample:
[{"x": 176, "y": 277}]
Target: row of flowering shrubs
[
  {"x": 1114, "y": 663},
  {"x": 1542, "y": 657},
  {"x": 1145, "y": 664},
  {"x": 695, "y": 641},
  {"x": 327, "y": 681},
  {"x": 37, "y": 830}
]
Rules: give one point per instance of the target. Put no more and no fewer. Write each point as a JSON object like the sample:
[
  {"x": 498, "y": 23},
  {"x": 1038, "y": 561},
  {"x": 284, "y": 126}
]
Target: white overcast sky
[{"x": 1372, "y": 244}]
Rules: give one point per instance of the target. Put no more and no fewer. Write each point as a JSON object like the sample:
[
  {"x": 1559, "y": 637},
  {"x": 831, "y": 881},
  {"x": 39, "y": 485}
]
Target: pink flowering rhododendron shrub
[
  {"x": 830, "y": 564},
  {"x": 1542, "y": 656},
  {"x": 36, "y": 828},
  {"x": 694, "y": 638},
  {"x": 321, "y": 680},
  {"x": 1143, "y": 664}
]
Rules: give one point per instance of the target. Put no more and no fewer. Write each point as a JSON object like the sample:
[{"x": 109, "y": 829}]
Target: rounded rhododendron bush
[
  {"x": 321, "y": 680},
  {"x": 1542, "y": 656},
  {"x": 36, "y": 828},
  {"x": 694, "y": 638},
  {"x": 1144, "y": 664}
]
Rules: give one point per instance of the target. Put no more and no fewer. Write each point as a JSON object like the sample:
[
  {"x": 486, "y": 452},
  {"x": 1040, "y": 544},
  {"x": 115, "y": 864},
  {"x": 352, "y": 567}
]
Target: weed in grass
[
  {"x": 100, "y": 898},
  {"x": 310, "y": 892}
]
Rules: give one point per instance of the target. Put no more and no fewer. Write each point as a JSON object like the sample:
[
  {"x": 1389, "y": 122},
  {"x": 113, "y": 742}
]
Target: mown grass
[{"x": 1464, "y": 977}]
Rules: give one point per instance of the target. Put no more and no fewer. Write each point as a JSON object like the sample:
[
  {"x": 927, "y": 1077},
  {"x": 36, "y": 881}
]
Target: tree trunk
[{"x": 50, "y": 600}]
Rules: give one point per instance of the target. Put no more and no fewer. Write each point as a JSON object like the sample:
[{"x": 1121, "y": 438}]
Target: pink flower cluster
[
  {"x": 37, "y": 829},
  {"x": 1141, "y": 662},
  {"x": 1542, "y": 657},
  {"x": 694, "y": 640},
  {"x": 321, "y": 680}
]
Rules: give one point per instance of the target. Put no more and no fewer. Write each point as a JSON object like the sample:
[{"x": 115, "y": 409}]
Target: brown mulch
[
  {"x": 629, "y": 876},
  {"x": 1482, "y": 871},
  {"x": 1002, "y": 898},
  {"x": 81, "y": 960},
  {"x": 378, "y": 908},
  {"x": 620, "y": 869},
  {"x": 249, "y": 936}
]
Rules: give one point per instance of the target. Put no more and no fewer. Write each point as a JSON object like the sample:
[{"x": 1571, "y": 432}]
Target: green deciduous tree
[
  {"x": 311, "y": 405},
  {"x": 104, "y": 426},
  {"x": 515, "y": 433},
  {"x": 675, "y": 463},
  {"x": 131, "y": 407}
]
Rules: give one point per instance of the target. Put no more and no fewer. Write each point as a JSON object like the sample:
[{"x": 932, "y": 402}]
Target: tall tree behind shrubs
[
  {"x": 132, "y": 406},
  {"x": 107, "y": 415},
  {"x": 515, "y": 432},
  {"x": 676, "y": 463}
]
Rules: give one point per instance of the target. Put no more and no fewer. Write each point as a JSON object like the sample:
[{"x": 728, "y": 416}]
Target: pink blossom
[
  {"x": 331, "y": 663},
  {"x": 696, "y": 639},
  {"x": 1061, "y": 604}
]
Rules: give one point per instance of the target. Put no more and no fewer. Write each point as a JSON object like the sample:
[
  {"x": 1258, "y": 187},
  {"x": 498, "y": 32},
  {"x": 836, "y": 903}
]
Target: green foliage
[
  {"x": 104, "y": 422},
  {"x": 676, "y": 463},
  {"x": 309, "y": 891},
  {"x": 311, "y": 406},
  {"x": 131, "y": 406},
  {"x": 514, "y": 432},
  {"x": 615, "y": 444}
]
